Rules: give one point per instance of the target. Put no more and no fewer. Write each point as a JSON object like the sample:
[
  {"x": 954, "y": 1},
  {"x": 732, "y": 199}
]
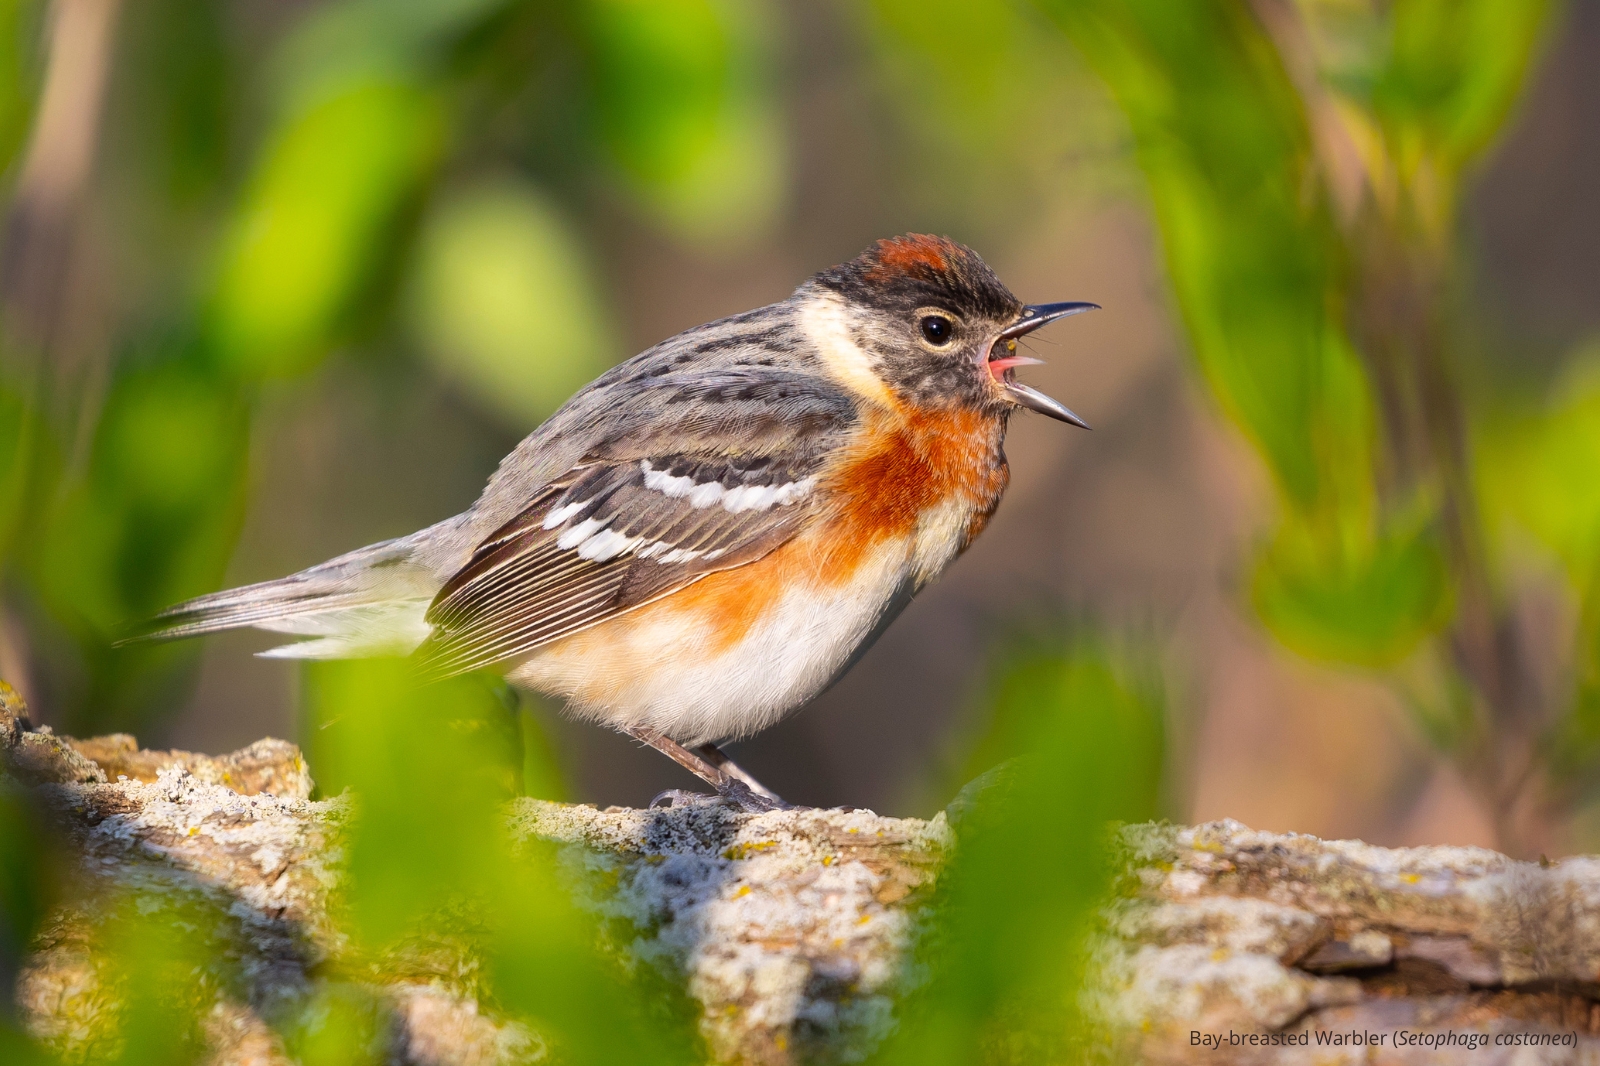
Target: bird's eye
[{"x": 937, "y": 330}]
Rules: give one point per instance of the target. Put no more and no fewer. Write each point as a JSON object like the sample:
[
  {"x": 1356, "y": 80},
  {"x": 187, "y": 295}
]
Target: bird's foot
[
  {"x": 682, "y": 797},
  {"x": 749, "y": 800},
  {"x": 734, "y": 793}
]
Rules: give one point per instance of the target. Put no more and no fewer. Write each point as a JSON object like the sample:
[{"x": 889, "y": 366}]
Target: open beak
[{"x": 1003, "y": 359}]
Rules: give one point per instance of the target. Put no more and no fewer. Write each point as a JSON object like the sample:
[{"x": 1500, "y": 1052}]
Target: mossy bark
[{"x": 793, "y": 930}]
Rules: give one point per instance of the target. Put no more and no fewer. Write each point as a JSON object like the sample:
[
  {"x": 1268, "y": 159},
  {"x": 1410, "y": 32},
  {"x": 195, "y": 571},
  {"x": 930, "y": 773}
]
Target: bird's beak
[
  {"x": 1036, "y": 315},
  {"x": 1002, "y": 361}
]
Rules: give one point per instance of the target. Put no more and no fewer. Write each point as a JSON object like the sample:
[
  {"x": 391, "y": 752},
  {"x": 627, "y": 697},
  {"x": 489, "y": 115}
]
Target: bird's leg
[
  {"x": 718, "y": 758},
  {"x": 728, "y": 786}
]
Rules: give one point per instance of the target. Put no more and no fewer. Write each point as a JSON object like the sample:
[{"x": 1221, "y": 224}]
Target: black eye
[{"x": 937, "y": 330}]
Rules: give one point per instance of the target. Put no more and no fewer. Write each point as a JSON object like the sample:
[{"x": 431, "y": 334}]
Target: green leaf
[
  {"x": 18, "y": 431},
  {"x": 23, "y": 40},
  {"x": 28, "y": 865},
  {"x": 1080, "y": 728},
  {"x": 687, "y": 111},
  {"x": 422, "y": 764},
  {"x": 1536, "y": 470},
  {"x": 171, "y": 959},
  {"x": 503, "y": 300},
  {"x": 154, "y": 517},
  {"x": 1370, "y": 602},
  {"x": 309, "y": 234},
  {"x": 1252, "y": 250},
  {"x": 342, "y": 1025},
  {"x": 430, "y": 855},
  {"x": 1449, "y": 70}
]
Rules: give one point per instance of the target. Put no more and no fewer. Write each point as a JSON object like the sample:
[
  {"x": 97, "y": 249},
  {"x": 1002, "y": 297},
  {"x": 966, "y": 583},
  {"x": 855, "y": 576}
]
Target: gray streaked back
[{"x": 748, "y": 377}]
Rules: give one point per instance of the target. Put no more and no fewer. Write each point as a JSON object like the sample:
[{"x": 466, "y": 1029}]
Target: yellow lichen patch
[{"x": 743, "y": 851}]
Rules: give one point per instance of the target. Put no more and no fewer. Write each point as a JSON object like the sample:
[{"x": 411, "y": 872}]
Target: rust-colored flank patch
[{"x": 916, "y": 254}]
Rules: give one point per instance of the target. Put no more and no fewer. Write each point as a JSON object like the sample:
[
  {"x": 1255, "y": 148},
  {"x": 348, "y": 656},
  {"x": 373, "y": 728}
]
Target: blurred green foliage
[
  {"x": 1538, "y": 464},
  {"x": 431, "y": 871},
  {"x": 502, "y": 301},
  {"x": 415, "y": 176},
  {"x": 430, "y": 852},
  {"x": 1017, "y": 115},
  {"x": 1536, "y": 484},
  {"x": 429, "y": 864},
  {"x": 1306, "y": 161},
  {"x": 303, "y": 240},
  {"x": 26, "y": 880},
  {"x": 1075, "y": 744},
  {"x": 307, "y": 235},
  {"x": 19, "y": 28},
  {"x": 687, "y": 110},
  {"x": 162, "y": 958}
]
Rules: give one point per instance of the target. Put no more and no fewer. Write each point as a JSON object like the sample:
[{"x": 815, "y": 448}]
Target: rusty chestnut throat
[{"x": 706, "y": 536}]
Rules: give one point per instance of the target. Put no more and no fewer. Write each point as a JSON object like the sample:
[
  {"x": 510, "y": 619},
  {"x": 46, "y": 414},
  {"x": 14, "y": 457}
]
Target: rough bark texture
[
  {"x": 790, "y": 928},
  {"x": 793, "y": 929},
  {"x": 1226, "y": 930}
]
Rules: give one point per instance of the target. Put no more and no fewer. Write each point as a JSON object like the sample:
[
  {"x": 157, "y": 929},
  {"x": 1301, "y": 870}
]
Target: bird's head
[{"x": 936, "y": 325}]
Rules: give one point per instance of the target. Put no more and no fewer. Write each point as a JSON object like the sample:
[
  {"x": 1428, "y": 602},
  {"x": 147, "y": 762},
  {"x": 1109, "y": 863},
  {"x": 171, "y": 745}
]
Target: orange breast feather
[{"x": 877, "y": 492}]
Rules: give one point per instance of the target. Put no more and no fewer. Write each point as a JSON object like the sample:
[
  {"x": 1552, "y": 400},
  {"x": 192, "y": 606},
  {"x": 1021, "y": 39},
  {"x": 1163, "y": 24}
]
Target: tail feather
[{"x": 368, "y": 602}]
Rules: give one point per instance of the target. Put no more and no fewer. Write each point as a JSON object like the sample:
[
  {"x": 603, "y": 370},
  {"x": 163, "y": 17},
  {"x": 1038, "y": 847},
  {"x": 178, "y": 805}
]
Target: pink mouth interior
[{"x": 997, "y": 367}]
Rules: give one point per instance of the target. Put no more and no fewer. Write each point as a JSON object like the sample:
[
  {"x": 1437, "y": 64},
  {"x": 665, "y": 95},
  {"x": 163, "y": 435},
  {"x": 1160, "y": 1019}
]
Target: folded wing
[{"x": 723, "y": 471}]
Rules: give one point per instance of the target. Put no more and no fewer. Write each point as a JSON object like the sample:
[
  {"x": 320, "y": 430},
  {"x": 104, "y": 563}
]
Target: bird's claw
[
  {"x": 750, "y": 801},
  {"x": 680, "y": 797},
  {"x": 735, "y": 793}
]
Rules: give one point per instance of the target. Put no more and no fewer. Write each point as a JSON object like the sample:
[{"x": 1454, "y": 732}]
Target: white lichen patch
[
  {"x": 1235, "y": 924},
  {"x": 1223, "y": 929},
  {"x": 1211, "y": 988},
  {"x": 791, "y": 927}
]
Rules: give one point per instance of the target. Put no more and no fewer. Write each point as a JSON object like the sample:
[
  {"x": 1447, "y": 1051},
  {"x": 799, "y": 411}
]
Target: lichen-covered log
[
  {"x": 1238, "y": 946},
  {"x": 794, "y": 930},
  {"x": 791, "y": 928}
]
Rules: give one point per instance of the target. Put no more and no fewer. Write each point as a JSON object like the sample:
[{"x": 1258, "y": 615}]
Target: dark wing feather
[
  {"x": 531, "y": 583},
  {"x": 607, "y": 537}
]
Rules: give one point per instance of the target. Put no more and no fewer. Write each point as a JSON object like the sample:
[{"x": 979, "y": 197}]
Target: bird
[{"x": 712, "y": 532}]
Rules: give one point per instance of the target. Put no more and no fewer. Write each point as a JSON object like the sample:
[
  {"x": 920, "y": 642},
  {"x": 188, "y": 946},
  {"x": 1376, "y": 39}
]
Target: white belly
[{"x": 659, "y": 672}]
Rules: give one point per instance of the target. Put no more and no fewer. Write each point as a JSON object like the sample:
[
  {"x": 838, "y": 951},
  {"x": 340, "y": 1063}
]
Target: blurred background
[{"x": 279, "y": 279}]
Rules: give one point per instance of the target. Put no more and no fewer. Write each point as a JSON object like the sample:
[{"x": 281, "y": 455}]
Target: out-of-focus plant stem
[
  {"x": 54, "y": 370},
  {"x": 1305, "y": 161},
  {"x": 41, "y": 222},
  {"x": 1401, "y": 239},
  {"x": 1399, "y": 319}
]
